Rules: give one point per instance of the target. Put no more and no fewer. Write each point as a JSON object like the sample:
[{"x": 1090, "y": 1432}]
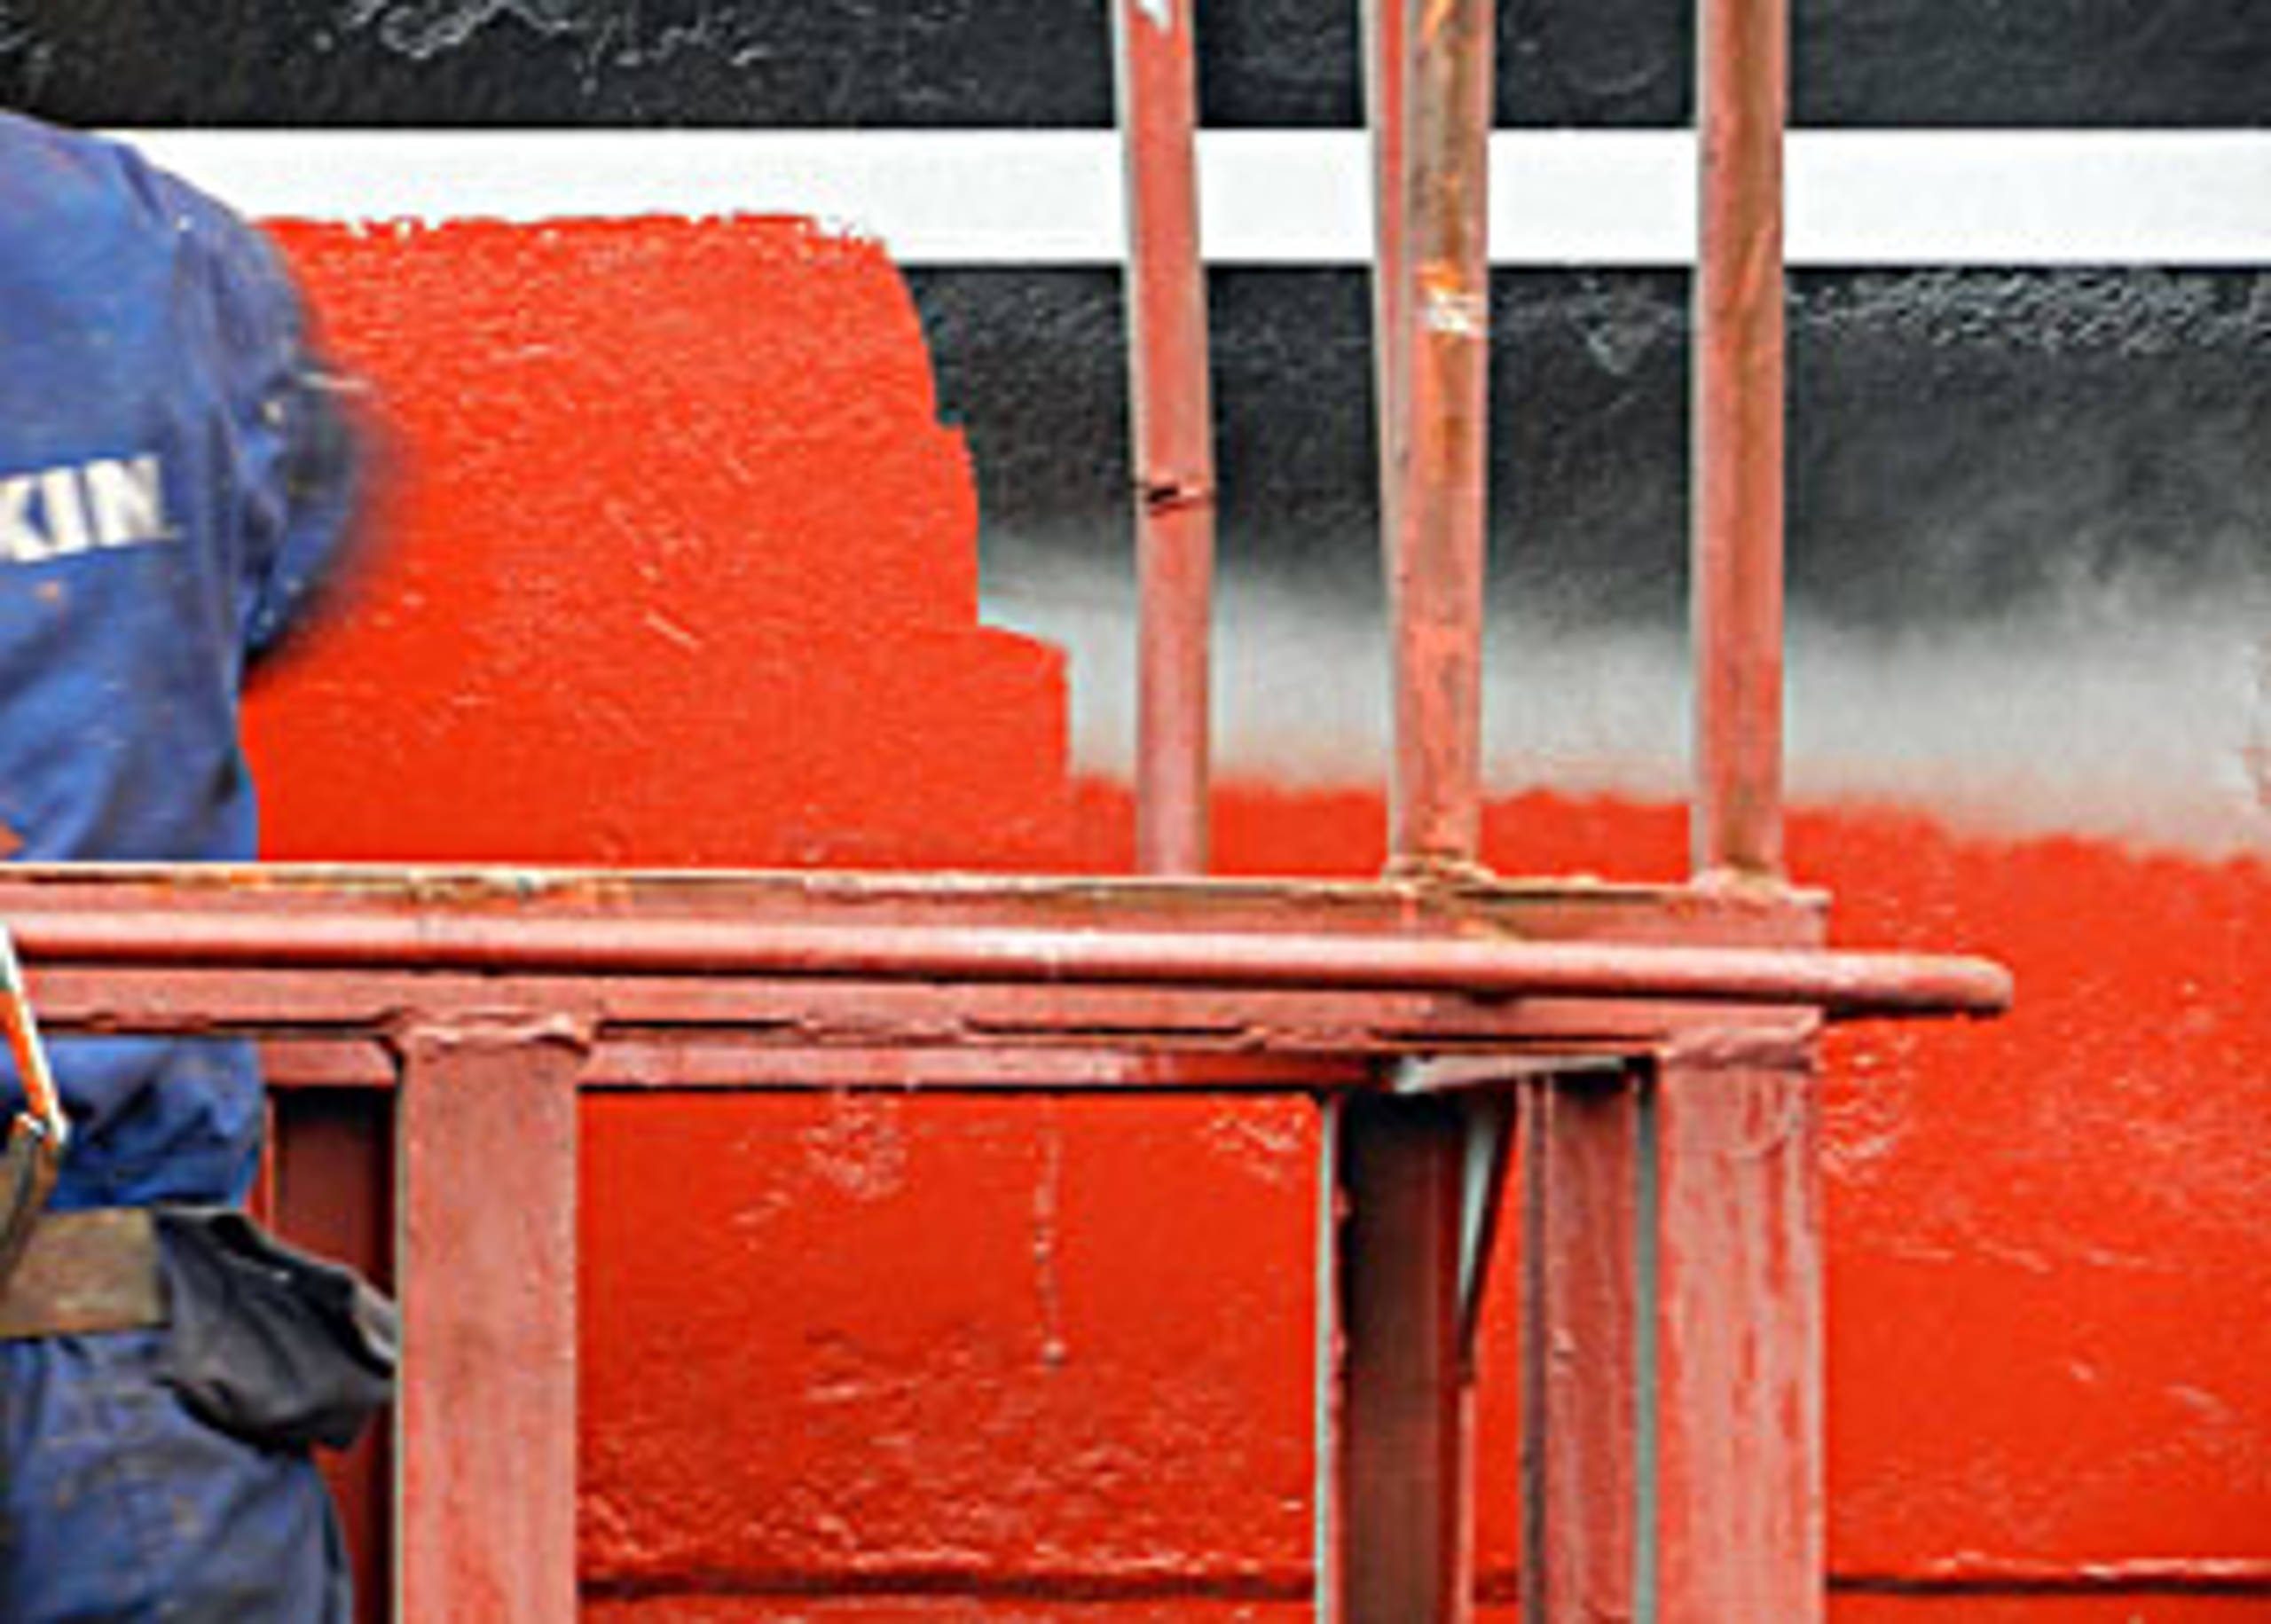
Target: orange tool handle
[{"x": 43, "y": 1114}]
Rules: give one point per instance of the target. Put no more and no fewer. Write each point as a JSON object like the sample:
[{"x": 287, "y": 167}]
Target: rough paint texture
[
  {"x": 655, "y": 493},
  {"x": 2046, "y": 1263},
  {"x": 950, "y": 1346},
  {"x": 978, "y": 1360}
]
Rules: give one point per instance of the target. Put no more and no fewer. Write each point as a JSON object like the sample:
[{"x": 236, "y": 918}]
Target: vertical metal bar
[
  {"x": 1403, "y": 1444},
  {"x": 1329, "y": 1471},
  {"x": 1172, "y": 417},
  {"x": 1736, "y": 1416},
  {"x": 1436, "y": 439},
  {"x": 1581, "y": 1320},
  {"x": 486, "y": 1244},
  {"x": 331, "y": 1159},
  {"x": 1406, "y": 1528},
  {"x": 1385, "y": 89},
  {"x": 1737, "y": 571}
]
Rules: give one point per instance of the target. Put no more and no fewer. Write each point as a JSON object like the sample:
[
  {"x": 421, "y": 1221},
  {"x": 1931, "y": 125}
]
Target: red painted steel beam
[
  {"x": 1403, "y": 1519},
  {"x": 1841, "y": 984},
  {"x": 1736, "y": 1371},
  {"x": 718, "y": 1064},
  {"x": 1404, "y": 1451},
  {"x": 1738, "y": 428},
  {"x": 1436, "y": 397},
  {"x": 787, "y": 1017},
  {"x": 1579, "y": 1348},
  {"x": 1672, "y": 1343},
  {"x": 486, "y": 1260},
  {"x": 1172, "y": 418},
  {"x": 1533, "y": 908}
]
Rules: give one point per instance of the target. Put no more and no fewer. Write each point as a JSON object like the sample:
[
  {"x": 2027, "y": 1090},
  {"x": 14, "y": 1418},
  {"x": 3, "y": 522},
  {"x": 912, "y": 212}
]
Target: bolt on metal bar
[
  {"x": 1172, "y": 430},
  {"x": 1743, "y": 95},
  {"x": 1433, "y": 83}
]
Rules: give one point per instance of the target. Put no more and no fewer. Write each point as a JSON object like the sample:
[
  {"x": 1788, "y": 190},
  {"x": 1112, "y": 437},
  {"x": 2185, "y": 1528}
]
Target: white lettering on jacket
[{"x": 82, "y": 507}]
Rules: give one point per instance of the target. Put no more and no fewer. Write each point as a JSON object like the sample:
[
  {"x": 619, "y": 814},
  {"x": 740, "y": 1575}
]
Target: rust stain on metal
[
  {"x": 1175, "y": 495},
  {"x": 1432, "y": 133}
]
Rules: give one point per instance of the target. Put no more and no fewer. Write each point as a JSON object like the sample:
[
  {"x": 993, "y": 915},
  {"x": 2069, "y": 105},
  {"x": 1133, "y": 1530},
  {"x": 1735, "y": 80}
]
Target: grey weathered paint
[{"x": 2044, "y": 432}]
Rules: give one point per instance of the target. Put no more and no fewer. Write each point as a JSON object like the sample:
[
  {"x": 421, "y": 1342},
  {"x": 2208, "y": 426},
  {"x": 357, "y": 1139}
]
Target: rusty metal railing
[
  {"x": 1660, "y": 1039},
  {"x": 482, "y": 1003}
]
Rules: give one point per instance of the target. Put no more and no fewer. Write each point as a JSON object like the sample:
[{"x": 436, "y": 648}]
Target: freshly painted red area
[
  {"x": 2148, "y": 1607},
  {"x": 959, "y": 1609},
  {"x": 678, "y": 567},
  {"x": 1060, "y": 1348},
  {"x": 2050, "y": 1288},
  {"x": 674, "y": 565},
  {"x": 2047, "y": 1267}
]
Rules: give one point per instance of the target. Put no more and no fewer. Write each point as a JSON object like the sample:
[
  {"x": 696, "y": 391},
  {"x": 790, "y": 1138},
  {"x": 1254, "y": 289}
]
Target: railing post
[
  {"x": 1405, "y": 1555},
  {"x": 485, "y": 1517},
  {"x": 1435, "y": 88},
  {"x": 1582, "y": 1347},
  {"x": 1742, "y": 49},
  {"x": 1672, "y": 1340},
  {"x": 1403, "y": 1521},
  {"x": 1172, "y": 420},
  {"x": 1734, "y": 1367}
]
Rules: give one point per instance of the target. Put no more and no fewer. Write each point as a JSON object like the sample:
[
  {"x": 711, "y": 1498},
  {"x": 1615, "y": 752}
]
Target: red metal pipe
[
  {"x": 1403, "y": 1506},
  {"x": 1172, "y": 423},
  {"x": 1737, "y": 569},
  {"x": 1840, "y": 982},
  {"x": 1436, "y": 439}
]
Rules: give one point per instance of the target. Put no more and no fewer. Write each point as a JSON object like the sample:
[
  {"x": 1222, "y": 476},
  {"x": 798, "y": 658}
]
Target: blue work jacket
[{"x": 174, "y": 479}]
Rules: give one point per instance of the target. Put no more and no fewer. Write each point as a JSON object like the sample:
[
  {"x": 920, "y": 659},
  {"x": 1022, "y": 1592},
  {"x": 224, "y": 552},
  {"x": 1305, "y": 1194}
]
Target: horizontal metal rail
[{"x": 1842, "y": 985}]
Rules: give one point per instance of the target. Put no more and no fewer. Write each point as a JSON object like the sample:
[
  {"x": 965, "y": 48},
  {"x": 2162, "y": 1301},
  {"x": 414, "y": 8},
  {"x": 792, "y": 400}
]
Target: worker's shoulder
[
  {"x": 55, "y": 180},
  {"x": 69, "y": 192}
]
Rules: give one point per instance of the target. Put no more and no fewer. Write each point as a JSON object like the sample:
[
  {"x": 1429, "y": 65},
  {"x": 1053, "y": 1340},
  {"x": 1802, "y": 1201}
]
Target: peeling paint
[
  {"x": 858, "y": 1148},
  {"x": 1269, "y": 1146}
]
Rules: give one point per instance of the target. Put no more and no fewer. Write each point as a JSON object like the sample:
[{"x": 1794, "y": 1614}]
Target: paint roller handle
[{"x": 31, "y": 1160}]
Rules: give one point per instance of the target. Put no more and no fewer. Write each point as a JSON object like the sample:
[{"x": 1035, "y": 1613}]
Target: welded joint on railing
[
  {"x": 1431, "y": 877},
  {"x": 1789, "y": 1046},
  {"x": 414, "y": 1033}
]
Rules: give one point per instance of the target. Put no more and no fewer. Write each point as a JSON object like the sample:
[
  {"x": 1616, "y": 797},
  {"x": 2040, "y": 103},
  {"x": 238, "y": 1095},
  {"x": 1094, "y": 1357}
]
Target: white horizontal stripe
[{"x": 1053, "y": 197}]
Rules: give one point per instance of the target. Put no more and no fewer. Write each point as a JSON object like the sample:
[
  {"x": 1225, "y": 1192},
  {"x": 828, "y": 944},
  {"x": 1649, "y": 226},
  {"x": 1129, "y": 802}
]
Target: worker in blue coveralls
[{"x": 176, "y": 477}]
